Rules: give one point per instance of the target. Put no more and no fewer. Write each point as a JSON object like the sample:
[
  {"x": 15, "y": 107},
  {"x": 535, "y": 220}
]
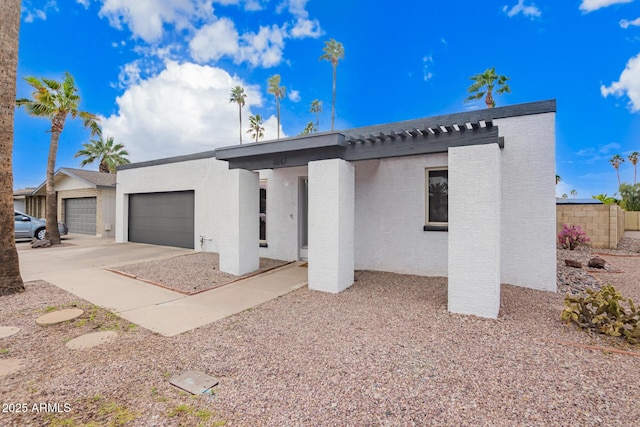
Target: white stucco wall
[
  {"x": 528, "y": 201},
  {"x": 331, "y": 225},
  {"x": 390, "y": 216},
  {"x": 203, "y": 176},
  {"x": 282, "y": 212},
  {"x": 474, "y": 230},
  {"x": 239, "y": 226}
]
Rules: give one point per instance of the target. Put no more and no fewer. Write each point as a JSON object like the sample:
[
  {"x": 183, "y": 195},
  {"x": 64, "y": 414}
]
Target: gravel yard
[
  {"x": 190, "y": 273},
  {"x": 383, "y": 352}
]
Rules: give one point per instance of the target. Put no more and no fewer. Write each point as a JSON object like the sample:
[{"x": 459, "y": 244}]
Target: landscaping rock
[
  {"x": 7, "y": 331},
  {"x": 572, "y": 263},
  {"x": 44, "y": 243},
  {"x": 596, "y": 262}
]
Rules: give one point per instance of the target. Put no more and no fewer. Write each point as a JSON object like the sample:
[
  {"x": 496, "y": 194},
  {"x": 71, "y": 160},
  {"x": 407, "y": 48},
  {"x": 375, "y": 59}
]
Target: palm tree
[
  {"x": 616, "y": 161},
  {"x": 278, "y": 91},
  {"x": 255, "y": 127},
  {"x": 333, "y": 52},
  {"x": 10, "y": 279},
  {"x": 108, "y": 153},
  {"x": 316, "y": 108},
  {"x": 238, "y": 96},
  {"x": 308, "y": 129},
  {"x": 55, "y": 101},
  {"x": 574, "y": 193},
  {"x": 564, "y": 196},
  {"x": 488, "y": 79},
  {"x": 633, "y": 158},
  {"x": 558, "y": 179}
]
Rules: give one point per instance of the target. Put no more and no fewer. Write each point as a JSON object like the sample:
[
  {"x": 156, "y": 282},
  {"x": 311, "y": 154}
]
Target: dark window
[
  {"x": 438, "y": 198},
  {"x": 263, "y": 211}
]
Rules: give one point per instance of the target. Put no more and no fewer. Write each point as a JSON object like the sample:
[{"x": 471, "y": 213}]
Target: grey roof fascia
[
  {"x": 196, "y": 156},
  {"x": 475, "y": 116},
  {"x": 322, "y": 141}
]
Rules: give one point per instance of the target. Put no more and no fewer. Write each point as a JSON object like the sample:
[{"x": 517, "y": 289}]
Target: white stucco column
[
  {"x": 331, "y": 225},
  {"x": 239, "y": 228},
  {"x": 474, "y": 230}
]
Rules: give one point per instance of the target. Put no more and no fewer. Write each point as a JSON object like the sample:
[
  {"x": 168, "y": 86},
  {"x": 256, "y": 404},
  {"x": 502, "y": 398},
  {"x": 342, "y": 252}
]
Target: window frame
[
  {"x": 434, "y": 225},
  {"x": 263, "y": 184}
]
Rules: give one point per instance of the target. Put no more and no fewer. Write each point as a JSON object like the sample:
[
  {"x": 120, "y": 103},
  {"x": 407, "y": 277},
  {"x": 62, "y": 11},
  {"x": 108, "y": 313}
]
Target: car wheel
[{"x": 40, "y": 233}]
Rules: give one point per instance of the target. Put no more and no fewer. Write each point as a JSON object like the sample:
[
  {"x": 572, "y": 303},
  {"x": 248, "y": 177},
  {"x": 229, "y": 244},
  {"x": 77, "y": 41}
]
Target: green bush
[
  {"x": 604, "y": 312},
  {"x": 630, "y": 195}
]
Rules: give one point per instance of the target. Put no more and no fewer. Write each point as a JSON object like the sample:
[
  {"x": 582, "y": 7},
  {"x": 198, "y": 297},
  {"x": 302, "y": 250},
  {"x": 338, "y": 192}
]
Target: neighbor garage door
[
  {"x": 80, "y": 215},
  {"x": 162, "y": 218}
]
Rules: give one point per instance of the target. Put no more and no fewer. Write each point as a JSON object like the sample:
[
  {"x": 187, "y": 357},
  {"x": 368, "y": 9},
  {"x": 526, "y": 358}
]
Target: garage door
[
  {"x": 162, "y": 218},
  {"x": 80, "y": 215}
]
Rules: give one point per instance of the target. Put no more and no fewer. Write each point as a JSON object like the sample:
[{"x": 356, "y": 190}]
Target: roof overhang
[{"x": 395, "y": 143}]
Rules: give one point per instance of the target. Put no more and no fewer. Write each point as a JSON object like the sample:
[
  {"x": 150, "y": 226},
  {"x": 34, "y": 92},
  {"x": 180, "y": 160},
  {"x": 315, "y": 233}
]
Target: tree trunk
[
  {"x": 10, "y": 279},
  {"x": 52, "y": 233},
  {"x": 489, "y": 100},
  {"x": 240, "y": 116},
  {"x": 104, "y": 167},
  {"x": 278, "y": 108},
  {"x": 333, "y": 99}
]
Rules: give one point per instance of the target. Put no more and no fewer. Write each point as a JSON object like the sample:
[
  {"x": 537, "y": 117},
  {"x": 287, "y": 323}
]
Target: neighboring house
[
  {"x": 86, "y": 201},
  {"x": 19, "y": 199},
  {"x": 470, "y": 196}
]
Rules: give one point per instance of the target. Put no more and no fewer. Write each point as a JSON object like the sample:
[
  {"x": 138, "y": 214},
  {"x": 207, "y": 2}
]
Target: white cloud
[
  {"x": 591, "y": 5},
  {"x": 221, "y": 38},
  {"x": 84, "y": 3},
  {"x": 628, "y": 84},
  {"x": 146, "y": 19},
  {"x": 427, "y": 62},
  {"x": 598, "y": 154},
  {"x": 294, "y": 95},
  {"x": 129, "y": 74},
  {"x": 215, "y": 40},
  {"x": 184, "y": 109},
  {"x": 527, "y": 10},
  {"x": 306, "y": 28},
  {"x": 32, "y": 13},
  {"x": 625, "y": 23}
]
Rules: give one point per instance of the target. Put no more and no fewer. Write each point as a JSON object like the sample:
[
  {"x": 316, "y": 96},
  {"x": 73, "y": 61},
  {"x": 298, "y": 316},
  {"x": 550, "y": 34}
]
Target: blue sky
[{"x": 159, "y": 72}]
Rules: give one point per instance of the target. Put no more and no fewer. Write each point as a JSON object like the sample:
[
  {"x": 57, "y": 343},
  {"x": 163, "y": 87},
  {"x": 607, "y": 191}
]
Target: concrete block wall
[
  {"x": 604, "y": 224},
  {"x": 632, "y": 221}
]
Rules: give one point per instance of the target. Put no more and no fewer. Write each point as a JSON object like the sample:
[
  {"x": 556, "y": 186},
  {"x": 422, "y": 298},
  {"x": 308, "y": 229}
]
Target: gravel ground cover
[
  {"x": 385, "y": 352},
  {"x": 190, "y": 273}
]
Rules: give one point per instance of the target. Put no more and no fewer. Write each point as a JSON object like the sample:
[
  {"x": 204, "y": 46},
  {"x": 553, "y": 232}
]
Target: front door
[{"x": 303, "y": 217}]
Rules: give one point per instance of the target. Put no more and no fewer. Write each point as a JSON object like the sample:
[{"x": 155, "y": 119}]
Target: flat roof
[{"x": 406, "y": 138}]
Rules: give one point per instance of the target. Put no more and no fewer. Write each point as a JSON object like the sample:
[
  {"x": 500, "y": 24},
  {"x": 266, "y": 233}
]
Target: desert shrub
[
  {"x": 630, "y": 197},
  {"x": 571, "y": 236},
  {"x": 604, "y": 311}
]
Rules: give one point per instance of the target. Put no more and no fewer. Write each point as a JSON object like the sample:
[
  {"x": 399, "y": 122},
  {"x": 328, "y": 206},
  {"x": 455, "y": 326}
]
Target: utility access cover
[{"x": 194, "y": 382}]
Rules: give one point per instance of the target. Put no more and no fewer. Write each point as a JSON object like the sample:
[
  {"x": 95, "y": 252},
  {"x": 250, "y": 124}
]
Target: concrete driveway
[{"x": 78, "y": 266}]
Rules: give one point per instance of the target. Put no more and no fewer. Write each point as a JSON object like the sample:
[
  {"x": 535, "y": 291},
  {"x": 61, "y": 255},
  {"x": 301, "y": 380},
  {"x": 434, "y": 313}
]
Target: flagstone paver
[{"x": 59, "y": 316}]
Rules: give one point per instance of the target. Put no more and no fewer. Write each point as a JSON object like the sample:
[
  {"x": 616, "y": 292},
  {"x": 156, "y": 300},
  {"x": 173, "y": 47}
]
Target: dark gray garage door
[
  {"x": 80, "y": 215},
  {"x": 162, "y": 218}
]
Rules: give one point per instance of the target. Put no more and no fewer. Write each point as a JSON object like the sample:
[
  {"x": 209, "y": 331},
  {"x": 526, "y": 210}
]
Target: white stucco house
[{"x": 470, "y": 196}]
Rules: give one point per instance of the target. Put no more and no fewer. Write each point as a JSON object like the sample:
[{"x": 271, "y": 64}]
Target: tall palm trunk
[
  {"x": 618, "y": 173},
  {"x": 52, "y": 232},
  {"x": 278, "y": 108},
  {"x": 240, "y": 117},
  {"x": 104, "y": 167},
  {"x": 333, "y": 99},
  {"x": 489, "y": 100},
  {"x": 10, "y": 279}
]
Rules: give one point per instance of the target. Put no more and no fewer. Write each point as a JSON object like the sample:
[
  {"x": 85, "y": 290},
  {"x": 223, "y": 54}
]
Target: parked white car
[{"x": 28, "y": 227}]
